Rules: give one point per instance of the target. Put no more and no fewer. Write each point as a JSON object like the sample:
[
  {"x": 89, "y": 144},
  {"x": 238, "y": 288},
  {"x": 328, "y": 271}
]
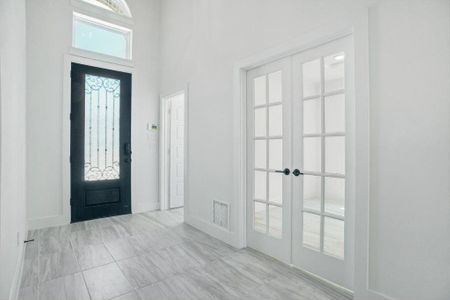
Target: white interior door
[
  {"x": 269, "y": 131},
  {"x": 323, "y": 196},
  {"x": 300, "y": 117},
  {"x": 176, "y": 189}
]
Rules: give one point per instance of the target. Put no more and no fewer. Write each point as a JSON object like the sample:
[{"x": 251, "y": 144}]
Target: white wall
[
  {"x": 409, "y": 235},
  {"x": 49, "y": 33},
  {"x": 201, "y": 41},
  {"x": 410, "y": 200},
  {"x": 12, "y": 139}
]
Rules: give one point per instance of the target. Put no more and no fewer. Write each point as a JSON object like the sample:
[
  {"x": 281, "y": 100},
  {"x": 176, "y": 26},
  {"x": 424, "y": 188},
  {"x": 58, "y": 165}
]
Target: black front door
[{"x": 100, "y": 145}]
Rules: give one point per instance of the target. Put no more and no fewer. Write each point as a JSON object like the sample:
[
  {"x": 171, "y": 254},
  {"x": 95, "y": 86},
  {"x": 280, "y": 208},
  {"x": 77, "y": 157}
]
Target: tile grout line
[
  {"x": 85, "y": 284},
  {"x": 81, "y": 271}
]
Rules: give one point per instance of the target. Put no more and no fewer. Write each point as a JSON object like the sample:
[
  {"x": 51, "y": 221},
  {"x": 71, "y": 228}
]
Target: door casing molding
[{"x": 360, "y": 33}]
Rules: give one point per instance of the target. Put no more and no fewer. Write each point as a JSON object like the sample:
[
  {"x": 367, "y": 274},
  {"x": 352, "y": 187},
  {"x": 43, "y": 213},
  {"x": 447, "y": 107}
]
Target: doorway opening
[{"x": 173, "y": 151}]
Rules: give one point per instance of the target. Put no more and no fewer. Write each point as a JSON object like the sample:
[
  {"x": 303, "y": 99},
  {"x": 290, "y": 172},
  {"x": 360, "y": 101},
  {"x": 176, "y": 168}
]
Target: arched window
[
  {"x": 117, "y": 6},
  {"x": 103, "y": 33}
]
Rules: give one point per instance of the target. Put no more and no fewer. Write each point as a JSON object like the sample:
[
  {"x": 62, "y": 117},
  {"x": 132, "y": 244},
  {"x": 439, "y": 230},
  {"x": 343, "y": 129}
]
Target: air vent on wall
[{"x": 221, "y": 214}]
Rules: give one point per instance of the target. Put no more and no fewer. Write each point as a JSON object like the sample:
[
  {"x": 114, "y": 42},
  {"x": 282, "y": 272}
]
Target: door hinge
[
  {"x": 71, "y": 201},
  {"x": 70, "y": 158},
  {"x": 71, "y": 73},
  {"x": 70, "y": 116}
]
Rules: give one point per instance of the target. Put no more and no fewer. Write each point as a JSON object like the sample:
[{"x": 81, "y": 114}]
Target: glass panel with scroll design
[{"x": 101, "y": 129}]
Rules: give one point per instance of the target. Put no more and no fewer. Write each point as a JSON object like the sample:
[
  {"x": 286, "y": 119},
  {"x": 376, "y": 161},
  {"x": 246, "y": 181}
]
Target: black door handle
[
  {"x": 297, "y": 172},
  {"x": 285, "y": 171}
]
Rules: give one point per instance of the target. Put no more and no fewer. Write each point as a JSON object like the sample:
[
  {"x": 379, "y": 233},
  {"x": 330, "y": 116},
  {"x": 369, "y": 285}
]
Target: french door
[
  {"x": 100, "y": 145},
  {"x": 316, "y": 159},
  {"x": 269, "y": 156}
]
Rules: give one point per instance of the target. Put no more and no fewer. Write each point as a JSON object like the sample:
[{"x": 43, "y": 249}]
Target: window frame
[
  {"x": 127, "y": 32},
  {"x": 126, "y": 9},
  {"x": 102, "y": 12}
]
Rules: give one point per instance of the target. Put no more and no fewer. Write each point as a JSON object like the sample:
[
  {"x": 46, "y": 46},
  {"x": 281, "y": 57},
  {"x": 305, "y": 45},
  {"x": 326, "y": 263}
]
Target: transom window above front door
[{"x": 102, "y": 27}]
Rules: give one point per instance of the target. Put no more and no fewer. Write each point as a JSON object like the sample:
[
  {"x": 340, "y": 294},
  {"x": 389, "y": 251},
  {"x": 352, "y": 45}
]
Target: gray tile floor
[{"x": 153, "y": 256}]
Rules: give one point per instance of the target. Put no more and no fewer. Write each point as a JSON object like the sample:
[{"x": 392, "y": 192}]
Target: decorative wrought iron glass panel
[{"x": 102, "y": 128}]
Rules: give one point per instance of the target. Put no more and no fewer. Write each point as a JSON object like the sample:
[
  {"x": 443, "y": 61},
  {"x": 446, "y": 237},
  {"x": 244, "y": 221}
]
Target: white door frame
[
  {"x": 163, "y": 157},
  {"x": 359, "y": 33}
]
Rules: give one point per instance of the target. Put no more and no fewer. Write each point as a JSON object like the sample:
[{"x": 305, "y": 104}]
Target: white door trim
[
  {"x": 317, "y": 38},
  {"x": 163, "y": 157}
]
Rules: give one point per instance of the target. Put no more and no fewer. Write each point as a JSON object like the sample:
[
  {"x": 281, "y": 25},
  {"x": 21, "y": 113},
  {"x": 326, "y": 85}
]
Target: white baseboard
[
  {"x": 212, "y": 230},
  {"x": 45, "y": 222},
  {"x": 140, "y": 207},
  {"x": 374, "y": 295},
  {"x": 17, "y": 279},
  {"x": 60, "y": 220},
  {"x": 339, "y": 289},
  {"x": 370, "y": 294}
]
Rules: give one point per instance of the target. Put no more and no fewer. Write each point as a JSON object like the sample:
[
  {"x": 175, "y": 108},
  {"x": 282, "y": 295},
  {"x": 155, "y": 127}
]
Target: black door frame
[{"x": 78, "y": 187}]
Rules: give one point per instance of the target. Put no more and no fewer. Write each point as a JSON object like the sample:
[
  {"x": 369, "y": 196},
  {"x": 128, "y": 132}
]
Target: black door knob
[
  {"x": 297, "y": 172},
  {"x": 285, "y": 171}
]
